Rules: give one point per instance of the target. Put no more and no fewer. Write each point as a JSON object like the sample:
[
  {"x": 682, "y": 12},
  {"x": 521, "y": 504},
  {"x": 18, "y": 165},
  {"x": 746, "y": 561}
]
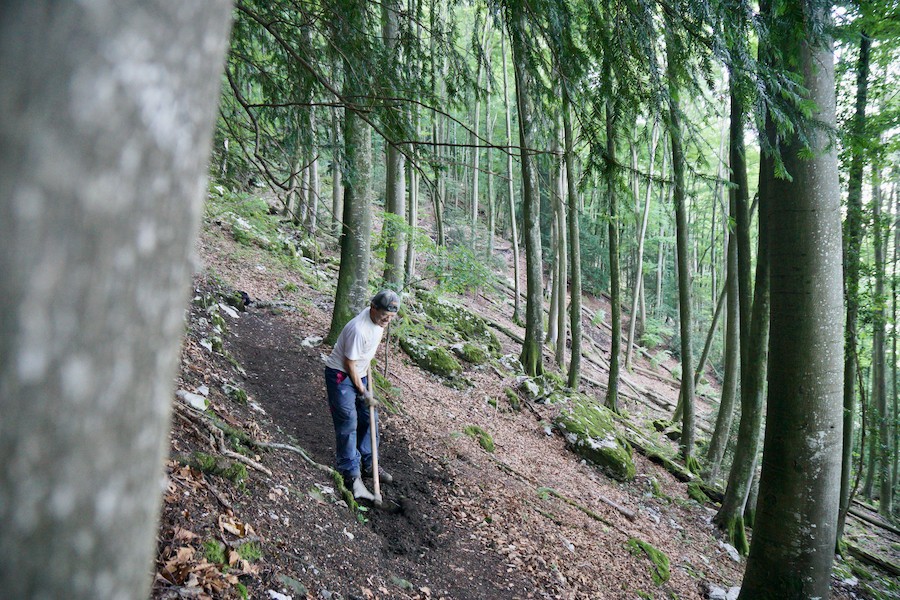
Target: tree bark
[
  {"x": 531, "y": 349},
  {"x": 563, "y": 269},
  {"x": 794, "y": 533},
  {"x": 106, "y": 131}
]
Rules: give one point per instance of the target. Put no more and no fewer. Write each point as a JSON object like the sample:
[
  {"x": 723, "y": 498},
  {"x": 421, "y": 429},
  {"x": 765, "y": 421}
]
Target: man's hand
[{"x": 368, "y": 398}]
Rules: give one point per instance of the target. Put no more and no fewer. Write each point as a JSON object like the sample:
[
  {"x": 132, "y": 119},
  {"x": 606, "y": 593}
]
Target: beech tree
[
  {"x": 108, "y": 110},
  {"x": 804, "y": 414}
]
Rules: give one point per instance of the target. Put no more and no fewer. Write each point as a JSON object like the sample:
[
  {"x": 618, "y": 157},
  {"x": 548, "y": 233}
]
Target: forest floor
[{"x": 529, "y": 520}]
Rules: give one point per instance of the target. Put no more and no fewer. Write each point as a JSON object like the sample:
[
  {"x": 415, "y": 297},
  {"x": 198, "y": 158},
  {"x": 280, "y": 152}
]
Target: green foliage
[
  {"x": 656, "y": 333},
  {"x": 659, "y": 569},
  {"x": 482, "y": 436}
]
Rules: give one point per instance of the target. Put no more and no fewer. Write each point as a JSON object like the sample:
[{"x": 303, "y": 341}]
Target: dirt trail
[{"x": 423, "y": 544}]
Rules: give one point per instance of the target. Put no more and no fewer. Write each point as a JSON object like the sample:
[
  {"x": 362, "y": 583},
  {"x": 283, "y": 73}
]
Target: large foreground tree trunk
[
  {"x": 106, "y": 133},
  {"x": 514, "y": 234},
  {"x": 794, "y": 533}
]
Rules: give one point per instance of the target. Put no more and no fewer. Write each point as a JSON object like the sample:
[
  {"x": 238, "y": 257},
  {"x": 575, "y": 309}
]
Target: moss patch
[
  {"x": 590, "y": 432},
  {"x": 483, "y": 437},
  {"x": 471, "y": 353},
  {"x": 513, "y": 398},
  {"x": 696, "y": 493},
  {"x": 470, "y": 326},
  {"x": 659, "y": 570}
]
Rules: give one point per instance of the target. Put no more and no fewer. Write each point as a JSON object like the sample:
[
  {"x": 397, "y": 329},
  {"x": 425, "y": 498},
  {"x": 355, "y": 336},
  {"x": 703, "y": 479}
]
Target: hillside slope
[{"x": 528, "y": 520}]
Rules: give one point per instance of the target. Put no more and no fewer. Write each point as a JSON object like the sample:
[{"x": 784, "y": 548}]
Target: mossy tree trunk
[
  {"x": 531, "y": 357},
  {"x": 795, "y": 528},
  {"x": 95, "y": 277}
]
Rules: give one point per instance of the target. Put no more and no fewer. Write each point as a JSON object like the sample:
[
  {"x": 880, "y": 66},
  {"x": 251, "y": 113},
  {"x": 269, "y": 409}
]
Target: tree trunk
[
  {"x": 514, "y": 236},
  {"x": 531, "y": 348},
  {"x": 574, "y": 247},
  {"x": 753, "y": 370},
  {"x": 100, "y": 205},
  {"x": 642, "y": 233},
  {"x": 794, "y": 533},
  {"x": 395, "y": 185},
  {"x": 724, "y": 419},
  {"x": 852, "y": 236},
  {"x": 682, "y": 243},
  {"x": 562, "y": 273},
  {"x": 337, "y": 186},
  {"x": 879, "y": 363},
  {"x": 352, "y": 292},
  {"x": 313, "y": 194},
  {"x": 894, "y": 390},
  {"x": 615, "y": 299}
]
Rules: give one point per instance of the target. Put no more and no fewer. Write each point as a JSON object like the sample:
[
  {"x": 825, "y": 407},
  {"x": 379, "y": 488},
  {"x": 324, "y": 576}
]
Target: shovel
[{"x": 379, "y": 503}]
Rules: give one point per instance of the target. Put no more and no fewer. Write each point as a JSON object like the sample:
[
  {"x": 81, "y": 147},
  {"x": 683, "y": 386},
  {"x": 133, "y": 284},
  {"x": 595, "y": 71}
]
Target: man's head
[{"x": 384, "y": 307}]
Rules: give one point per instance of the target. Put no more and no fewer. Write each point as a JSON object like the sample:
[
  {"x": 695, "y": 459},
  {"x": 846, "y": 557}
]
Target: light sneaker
[
  {"x": 383, "y": 476},
  {"x": 360, "y": 491}
]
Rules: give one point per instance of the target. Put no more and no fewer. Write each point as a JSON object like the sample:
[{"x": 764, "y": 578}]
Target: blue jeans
[{"x": 350, "y": 416}]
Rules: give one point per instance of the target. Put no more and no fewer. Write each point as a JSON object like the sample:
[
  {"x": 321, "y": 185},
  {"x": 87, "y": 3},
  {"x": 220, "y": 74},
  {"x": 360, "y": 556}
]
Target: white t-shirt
[{"x": 358, "y": 342}]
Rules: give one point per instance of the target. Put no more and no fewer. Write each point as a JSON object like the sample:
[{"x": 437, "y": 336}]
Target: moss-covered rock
[
  {"x": 471, "y": 353},
  {"x": 590, "y": 432},
  {"x": 470, "y": 326},
  {"x": 434, "y": 359},
  {"x": 659, "y": 570}
]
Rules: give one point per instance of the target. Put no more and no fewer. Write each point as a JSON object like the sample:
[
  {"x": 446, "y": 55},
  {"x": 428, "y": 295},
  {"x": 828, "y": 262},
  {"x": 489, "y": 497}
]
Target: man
[{"x": 349, "y": 397}]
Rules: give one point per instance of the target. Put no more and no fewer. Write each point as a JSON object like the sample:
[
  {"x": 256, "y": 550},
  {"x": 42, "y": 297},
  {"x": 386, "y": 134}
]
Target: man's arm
[{"x": 355, "y": 377}]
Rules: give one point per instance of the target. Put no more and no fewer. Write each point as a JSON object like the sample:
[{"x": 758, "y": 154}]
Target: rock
[
  {"x": 471, "y": 353},
  {"x": 434, "y": 359},
  {"x": 203, "y": 390},
  {"x": 293, "y": 585},
  {"x": 229, "y": 311},
  {"x": 195, "y": 401},
  {"x": 714, "y": 592},
  {"x": 311, "y": 341},
  {"x": 590, "y": 432},
  {"x": 206, "y": 344},
  {"x": 731, "y": 550},
  {"x": 273, "y": 595}
]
